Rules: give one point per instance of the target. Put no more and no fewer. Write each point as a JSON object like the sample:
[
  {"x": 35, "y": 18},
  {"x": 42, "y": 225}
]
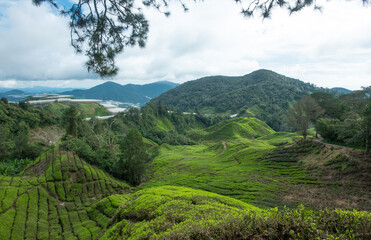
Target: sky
[{"x": 331, "y": 48}]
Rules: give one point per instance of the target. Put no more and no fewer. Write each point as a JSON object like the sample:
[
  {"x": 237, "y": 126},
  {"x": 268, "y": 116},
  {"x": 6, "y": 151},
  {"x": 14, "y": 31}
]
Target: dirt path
[
  {"x": 224, "y": 147},
  {"x": 320, "y": 140}
]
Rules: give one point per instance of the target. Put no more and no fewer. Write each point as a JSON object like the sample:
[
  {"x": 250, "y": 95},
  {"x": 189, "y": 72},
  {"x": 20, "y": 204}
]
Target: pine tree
[
  {"x": 72, "y": 119},
  {"x": 133, "y": 159}
]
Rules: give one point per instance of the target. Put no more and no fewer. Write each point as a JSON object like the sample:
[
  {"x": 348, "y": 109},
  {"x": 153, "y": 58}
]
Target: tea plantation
[
  {"x": 227, "y": 186},
  {"x": 54, "y": 199}
]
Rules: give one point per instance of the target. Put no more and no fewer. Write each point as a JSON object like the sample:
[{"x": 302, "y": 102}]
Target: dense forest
[
  {"x": 346, "y": 119},
  {"x": 263, "y": 94},
  {"x": 16, "y": 120}
]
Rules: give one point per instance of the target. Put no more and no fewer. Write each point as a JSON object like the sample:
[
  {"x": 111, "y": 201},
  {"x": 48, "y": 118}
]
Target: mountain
[
  {"x": 14, "y": 95},
  {"x": 264, "y": 94},
  {"x": 129, "y": 93},
  {"x": 342, "y": 90},
  {"x": 38, "y": 89}
]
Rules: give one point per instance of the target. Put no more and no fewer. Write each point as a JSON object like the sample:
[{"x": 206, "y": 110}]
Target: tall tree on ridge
[
  {"x": 133, "y": 159},
  {"x": 302, "y": 113}
]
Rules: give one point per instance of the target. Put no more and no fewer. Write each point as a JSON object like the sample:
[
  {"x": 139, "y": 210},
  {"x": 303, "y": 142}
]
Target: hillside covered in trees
[{"x": 263, "y": 94}]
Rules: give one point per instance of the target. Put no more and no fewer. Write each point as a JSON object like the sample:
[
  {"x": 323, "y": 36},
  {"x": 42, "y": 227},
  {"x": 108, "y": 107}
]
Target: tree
[
  {"x": 332, "y": 106},
  {"x": 133, "y": 159},
  {"x": 4, "y": 100},
  {"x": 303, "y": 112},
  {"x": 328, "y": 128},
  {"x": 72, "y": 119},
  {"x": 103, "y": 28},
  {"x": 6, "y": 144},
  {"x": 367, "y": 124}
]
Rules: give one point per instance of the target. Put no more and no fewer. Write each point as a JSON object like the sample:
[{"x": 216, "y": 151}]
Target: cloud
[
  {"x": 328, "y": 49},
  {"x": 35, "y": 44}
]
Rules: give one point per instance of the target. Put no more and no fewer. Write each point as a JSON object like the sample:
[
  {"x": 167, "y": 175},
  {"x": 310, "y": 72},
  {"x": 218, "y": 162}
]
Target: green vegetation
[
  {"x": 347, "y": 119},
  {"x": 87, "y": 110},
  {"x": 233, "y": 168},
  {"x": 198, "y": 177},
  {"x": 263, "y": 94},
  {"x": 27, "y": 130},
  {"x": 304, "y": 112},
  {"x": 182, "y": 213},
  {"x": 133, "y": 158},
  {"x": 61, "y": 207}
]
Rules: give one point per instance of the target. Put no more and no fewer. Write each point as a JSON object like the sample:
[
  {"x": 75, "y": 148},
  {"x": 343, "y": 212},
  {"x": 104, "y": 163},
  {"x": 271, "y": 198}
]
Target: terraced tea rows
[
  {"x": 232, "y": 169},
  {"x": 54, "y": 199}
]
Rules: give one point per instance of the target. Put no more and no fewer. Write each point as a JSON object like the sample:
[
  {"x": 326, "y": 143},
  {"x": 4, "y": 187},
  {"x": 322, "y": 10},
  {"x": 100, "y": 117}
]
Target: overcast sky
[{"x": 328, "y": 49}]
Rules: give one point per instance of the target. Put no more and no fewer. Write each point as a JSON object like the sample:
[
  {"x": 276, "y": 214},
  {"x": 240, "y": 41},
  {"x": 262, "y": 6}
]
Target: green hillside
[
  {"x": 87, "y": 110},
  {"x": 235, "y": 179},
  {"x": 243, "y": 158},
  {"x": 182, "y": 213},
  {"x": 263, "y": 93},
  {"x": 238, "y": 128},
  {"x": 54, "y": 199}
]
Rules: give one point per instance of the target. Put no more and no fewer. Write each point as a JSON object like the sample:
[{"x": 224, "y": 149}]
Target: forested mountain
[
  {"x": 129, "y": 93},
  {"x": 342, "y": 90},
  {"x": 263, "y": 94},
  {"x": 14, "y": 95},
  {"x": 19, "y": 94}
]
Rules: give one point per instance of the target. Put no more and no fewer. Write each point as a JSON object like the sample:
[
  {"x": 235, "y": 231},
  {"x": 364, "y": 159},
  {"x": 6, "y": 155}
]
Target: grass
[
  {"x": 88, "y": 110},
  {"x": 250, "y": 128},
  {"x": 235, "y": 171},
  {"x": 250, "y": 162}
]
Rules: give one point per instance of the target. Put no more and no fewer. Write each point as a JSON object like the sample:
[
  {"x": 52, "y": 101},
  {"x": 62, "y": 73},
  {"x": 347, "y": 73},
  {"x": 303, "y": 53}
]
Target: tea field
[{"x": 55, "y": 199}]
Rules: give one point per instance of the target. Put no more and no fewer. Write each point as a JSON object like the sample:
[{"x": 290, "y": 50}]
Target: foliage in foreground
[{"x": 182, "y": 213}]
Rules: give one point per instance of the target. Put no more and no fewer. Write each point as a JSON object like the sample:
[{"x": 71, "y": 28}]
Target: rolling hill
[
  {"x": 129, "y": 93},
  {"x": 55, "y": 199},
  {"x": 263, "y": 94},
  {"x": 221, "y": 187}
]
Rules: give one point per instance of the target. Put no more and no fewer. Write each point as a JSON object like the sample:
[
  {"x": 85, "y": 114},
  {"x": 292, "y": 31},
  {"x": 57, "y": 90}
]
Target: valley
[{"x": 157, "y": 173}]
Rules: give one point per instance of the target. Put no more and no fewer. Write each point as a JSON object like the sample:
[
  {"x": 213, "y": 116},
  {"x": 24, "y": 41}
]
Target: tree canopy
[
  {"x": 304, "y": 112},
  {"x": 103, "y": 28}
]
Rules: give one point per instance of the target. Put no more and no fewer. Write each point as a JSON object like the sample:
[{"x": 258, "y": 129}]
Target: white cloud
[
  {"x": 35, "y": 44},
  {"x": 332, "y": 48}
]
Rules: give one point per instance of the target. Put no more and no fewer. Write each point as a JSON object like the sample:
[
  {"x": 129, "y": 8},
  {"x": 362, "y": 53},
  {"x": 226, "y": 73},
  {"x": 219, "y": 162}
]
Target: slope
[
  {"x": 243, "y": 158},
  {"x": 53, "y": 199},
  {"x": 237, "y": 128},
  {"x": 182, "y": 213},
  {"x": 129, "y": 93},
  {"x": 87, "y": 109},
  {"x": 265, "y": 94}
]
